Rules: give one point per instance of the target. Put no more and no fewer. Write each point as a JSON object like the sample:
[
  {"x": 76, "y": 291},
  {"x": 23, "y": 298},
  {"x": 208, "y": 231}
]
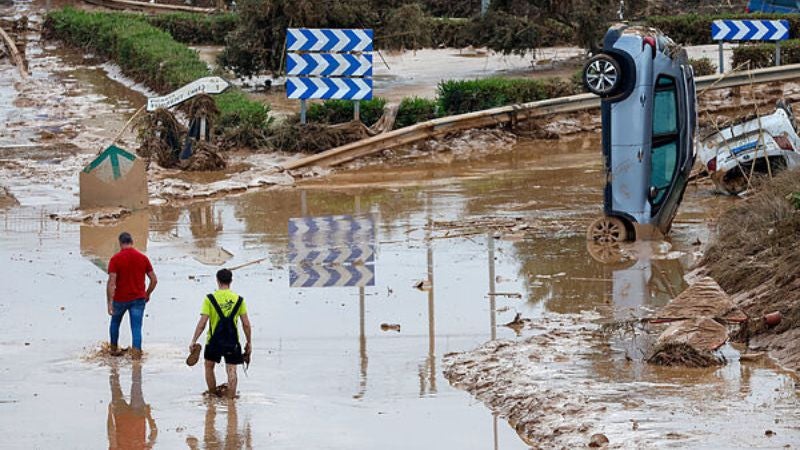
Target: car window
[
  {"x": 663, "y": 162},
  {"x": 665, "y": 107}
]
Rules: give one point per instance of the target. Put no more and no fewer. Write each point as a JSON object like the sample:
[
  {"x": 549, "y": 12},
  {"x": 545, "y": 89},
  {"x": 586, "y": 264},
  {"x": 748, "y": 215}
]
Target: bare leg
[
  {"x": 211, "y": 380},
  {"x": 232, "y": 379}
]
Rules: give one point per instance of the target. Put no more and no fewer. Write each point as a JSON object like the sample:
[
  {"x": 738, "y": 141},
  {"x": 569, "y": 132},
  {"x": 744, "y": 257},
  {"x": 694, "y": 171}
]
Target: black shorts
[{"x": 211, "y": 353}]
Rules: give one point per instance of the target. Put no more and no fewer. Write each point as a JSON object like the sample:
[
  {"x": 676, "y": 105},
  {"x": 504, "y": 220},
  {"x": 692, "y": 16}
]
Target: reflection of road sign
[
  {"x": 357, "y": 275},
  {"x": 111, "y": 164},
  {"x": 327, "y": 88},
  {"x": 114, "y": 178},
  {"x": 331, "y": 251},
  {"x": 207, "y": 85},
  {"x": 328, "y": 40},
  {"x": 329, "y": 65},
  {"x": 750, "y": 30},
  {"x": 299, "y": 254}
]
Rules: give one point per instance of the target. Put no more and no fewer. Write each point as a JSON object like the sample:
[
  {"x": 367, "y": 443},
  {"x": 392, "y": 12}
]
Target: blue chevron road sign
[
  {"x": 328, "y": 88},
  {"x": 332, "y": 251},
  {"x": 750, "y": 30},
  {"x": 329, "y": 64},
  {"x": 328, "y": 40}
]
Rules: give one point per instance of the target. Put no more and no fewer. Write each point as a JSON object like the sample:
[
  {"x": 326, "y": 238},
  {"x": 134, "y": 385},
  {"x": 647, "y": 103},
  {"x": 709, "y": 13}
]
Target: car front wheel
[{"x": 602, "y": 75}]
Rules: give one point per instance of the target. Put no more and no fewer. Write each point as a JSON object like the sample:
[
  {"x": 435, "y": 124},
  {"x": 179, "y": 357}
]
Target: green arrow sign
[{"x": 115, "y": 158}]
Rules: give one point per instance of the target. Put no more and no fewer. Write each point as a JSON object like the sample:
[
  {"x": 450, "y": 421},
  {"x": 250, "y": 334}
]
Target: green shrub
[
  {"x": 763, "y": 55},
  {"x": 415, "y": 110},
  {"x": 794, "y": 198},
  {"x": 703, "y": 66},
  {"x": 151, "y": 56},
  {"x": 462, "y": 96},
  {"x": 340, "y": 111},
  {"x": 195, "y": 28}
]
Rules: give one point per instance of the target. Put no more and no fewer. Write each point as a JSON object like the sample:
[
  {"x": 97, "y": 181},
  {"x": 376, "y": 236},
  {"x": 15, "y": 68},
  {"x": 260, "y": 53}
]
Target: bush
[
  {"x": 763, "y": 55},
  {"x": 406, "y": 28},
  {"x": 340, "y": 111},
  {"x": 703, "y": 66},
  {"x": 151, "y": 56},
  {"x": 462, "y": 96},
  {"x": 415, "y": 110},
  {"x": 195, "y": 28}
]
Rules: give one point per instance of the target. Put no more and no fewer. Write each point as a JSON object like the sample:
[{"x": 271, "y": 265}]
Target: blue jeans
[{"x": 135, "y": 310}]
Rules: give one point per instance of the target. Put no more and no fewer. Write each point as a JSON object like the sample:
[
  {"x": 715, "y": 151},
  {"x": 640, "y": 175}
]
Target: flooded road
[{"x": 324, "y": 373}]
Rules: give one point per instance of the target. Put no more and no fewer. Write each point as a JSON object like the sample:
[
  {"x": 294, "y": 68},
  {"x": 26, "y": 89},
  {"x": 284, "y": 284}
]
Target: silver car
[{"x": 649, "y": 117}]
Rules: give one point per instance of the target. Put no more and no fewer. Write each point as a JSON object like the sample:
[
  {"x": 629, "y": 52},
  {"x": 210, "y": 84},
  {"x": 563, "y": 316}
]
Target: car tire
[
  {"x": 607, "y": 230},
  {"x": 602, "y": 75}
]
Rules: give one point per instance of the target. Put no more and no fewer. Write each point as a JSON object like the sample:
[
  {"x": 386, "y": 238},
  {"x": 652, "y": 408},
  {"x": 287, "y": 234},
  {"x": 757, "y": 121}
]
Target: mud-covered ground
[{"x": 488, "y": 225}]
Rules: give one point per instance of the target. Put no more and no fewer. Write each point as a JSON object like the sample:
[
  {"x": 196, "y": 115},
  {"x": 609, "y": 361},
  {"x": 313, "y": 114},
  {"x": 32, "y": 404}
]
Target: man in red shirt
[{"x": 125, "y": 291}]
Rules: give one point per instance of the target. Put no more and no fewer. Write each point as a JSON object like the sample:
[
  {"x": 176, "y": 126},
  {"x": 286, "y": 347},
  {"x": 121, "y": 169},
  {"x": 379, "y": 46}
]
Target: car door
[{"x": 666, "y": 143}]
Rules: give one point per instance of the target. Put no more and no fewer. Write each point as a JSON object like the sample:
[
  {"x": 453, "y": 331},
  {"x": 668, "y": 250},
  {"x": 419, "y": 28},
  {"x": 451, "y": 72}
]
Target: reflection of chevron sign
[
  {"x": 750, "y": 30},
  {"x": 328, "y": 88},
  {"x": 328, "y": 40},
  {"x": 332, "y": 276},
  {"x": 299, "y": 254},
  {"x": 331, "y": 251},
  {"x": 112, "y": 164},
  {"x": 329, "y": 65}
]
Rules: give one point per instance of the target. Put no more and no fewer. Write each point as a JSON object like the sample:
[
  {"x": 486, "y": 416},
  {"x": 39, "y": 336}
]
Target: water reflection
[
  {"x": 234, "y": 439},
  {"x": 128, "y": 421},
  {"x": 100, "y": 242},
  {"x": 427, "y": 370}
]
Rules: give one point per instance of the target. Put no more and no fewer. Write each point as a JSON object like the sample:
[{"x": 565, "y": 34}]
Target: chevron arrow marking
[
  {"x": 749, "y": 30},
  {"x": 328, "y": 88},
  {"x": 328, "y": 40}
]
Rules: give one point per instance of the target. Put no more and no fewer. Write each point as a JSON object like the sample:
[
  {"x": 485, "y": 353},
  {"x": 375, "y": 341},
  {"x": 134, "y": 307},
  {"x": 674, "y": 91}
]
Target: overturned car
[
  {"x": 649, "y": 118},
  {"x": 756, "y": 146}
]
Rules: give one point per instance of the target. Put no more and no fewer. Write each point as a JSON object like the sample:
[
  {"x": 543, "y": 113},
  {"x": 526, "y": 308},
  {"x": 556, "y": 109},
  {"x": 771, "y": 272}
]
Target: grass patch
[
  {"x": 151, "y": 56},
  {"x": 462, "y": 96},
  {"x": 340, "y": 111}
]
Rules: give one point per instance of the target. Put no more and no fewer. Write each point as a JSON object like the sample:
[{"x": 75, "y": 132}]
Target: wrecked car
[
  {"x": 755, "y": 146},
  {"x": 649, "y": 118}
]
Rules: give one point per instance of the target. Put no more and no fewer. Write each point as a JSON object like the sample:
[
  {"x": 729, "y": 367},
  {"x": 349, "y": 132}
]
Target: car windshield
[{"x": 664, "y": 149}]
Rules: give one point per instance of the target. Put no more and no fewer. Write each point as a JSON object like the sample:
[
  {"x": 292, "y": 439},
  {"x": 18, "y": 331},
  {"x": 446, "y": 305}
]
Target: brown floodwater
[{"x": 324, "y": 372}]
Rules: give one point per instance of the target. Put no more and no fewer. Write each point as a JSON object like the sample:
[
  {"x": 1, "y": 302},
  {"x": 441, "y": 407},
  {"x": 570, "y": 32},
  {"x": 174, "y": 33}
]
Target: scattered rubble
[
  {"x": 7, "y": 199},
  {"x": 94, "y": 216}
]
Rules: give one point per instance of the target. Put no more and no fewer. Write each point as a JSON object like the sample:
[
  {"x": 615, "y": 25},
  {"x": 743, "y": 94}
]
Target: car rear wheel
[
  {"x": 607, "y": 230},
  {"x": 602, "y": 75}
]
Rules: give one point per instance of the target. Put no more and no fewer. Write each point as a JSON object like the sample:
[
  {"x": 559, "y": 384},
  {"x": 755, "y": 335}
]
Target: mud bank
[
  {"x": 763, "y": 231},
  {"x": 567, "y": 381}
]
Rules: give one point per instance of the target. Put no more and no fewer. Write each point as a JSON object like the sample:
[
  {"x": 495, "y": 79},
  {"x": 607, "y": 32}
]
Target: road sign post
[
  {"x": 328, "y": 64},
  {"x": 749, "y": 30}
]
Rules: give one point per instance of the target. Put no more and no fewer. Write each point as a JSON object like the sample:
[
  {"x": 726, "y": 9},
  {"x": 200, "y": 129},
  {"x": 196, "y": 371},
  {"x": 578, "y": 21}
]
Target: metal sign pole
[
  {"x": 357, "y": 110},
  {"x": 777, "y": 53},
  {"x": 202, "y": 128},
  {"x": 303, "y": 111},
  {"x": 484, "y": 7},
  {"x": 721, "y": 58}
]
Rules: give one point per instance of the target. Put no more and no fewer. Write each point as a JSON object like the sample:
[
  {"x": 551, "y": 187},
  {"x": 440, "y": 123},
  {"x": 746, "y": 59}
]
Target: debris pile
[
  {"x": 696, "y": 317},
  {"x": 7, "y": 199}
]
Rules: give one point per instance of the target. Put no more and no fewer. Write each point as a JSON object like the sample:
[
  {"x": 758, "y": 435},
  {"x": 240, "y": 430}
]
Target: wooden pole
[{"x": 16, "y": 57}]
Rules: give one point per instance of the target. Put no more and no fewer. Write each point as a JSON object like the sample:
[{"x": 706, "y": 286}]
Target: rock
[
  {"x": 769, "y": 433},
  {"x": 390, "y": 327},
  {"x": 598, "y": 440}
]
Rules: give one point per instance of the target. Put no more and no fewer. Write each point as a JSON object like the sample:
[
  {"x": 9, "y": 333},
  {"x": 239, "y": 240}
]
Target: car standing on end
[{"x": 649, "y": 116}]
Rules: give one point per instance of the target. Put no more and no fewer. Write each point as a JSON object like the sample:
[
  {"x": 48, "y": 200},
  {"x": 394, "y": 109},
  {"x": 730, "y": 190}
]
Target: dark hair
[
  {"x": 224, "y": 276},
  {"x": 125, "y": 238}
]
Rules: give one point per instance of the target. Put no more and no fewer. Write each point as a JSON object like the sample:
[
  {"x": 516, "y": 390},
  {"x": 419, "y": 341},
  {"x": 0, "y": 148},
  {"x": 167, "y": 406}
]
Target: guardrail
[
  {"x": 149, "y": 7},
  {"x": 516, "y": 113}
]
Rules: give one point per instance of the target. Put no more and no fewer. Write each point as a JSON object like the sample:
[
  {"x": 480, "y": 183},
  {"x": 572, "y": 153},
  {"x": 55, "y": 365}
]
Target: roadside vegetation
[
  {"x": 757, "y": 251},
  {"x": 151, "y": 56}
]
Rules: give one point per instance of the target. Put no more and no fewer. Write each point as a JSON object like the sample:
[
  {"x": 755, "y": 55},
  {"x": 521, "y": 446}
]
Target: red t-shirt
[{"x": 131, "y": 266}]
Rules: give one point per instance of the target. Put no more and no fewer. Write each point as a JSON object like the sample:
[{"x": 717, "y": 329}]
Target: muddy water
[{"x": 324, "y": 372}]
